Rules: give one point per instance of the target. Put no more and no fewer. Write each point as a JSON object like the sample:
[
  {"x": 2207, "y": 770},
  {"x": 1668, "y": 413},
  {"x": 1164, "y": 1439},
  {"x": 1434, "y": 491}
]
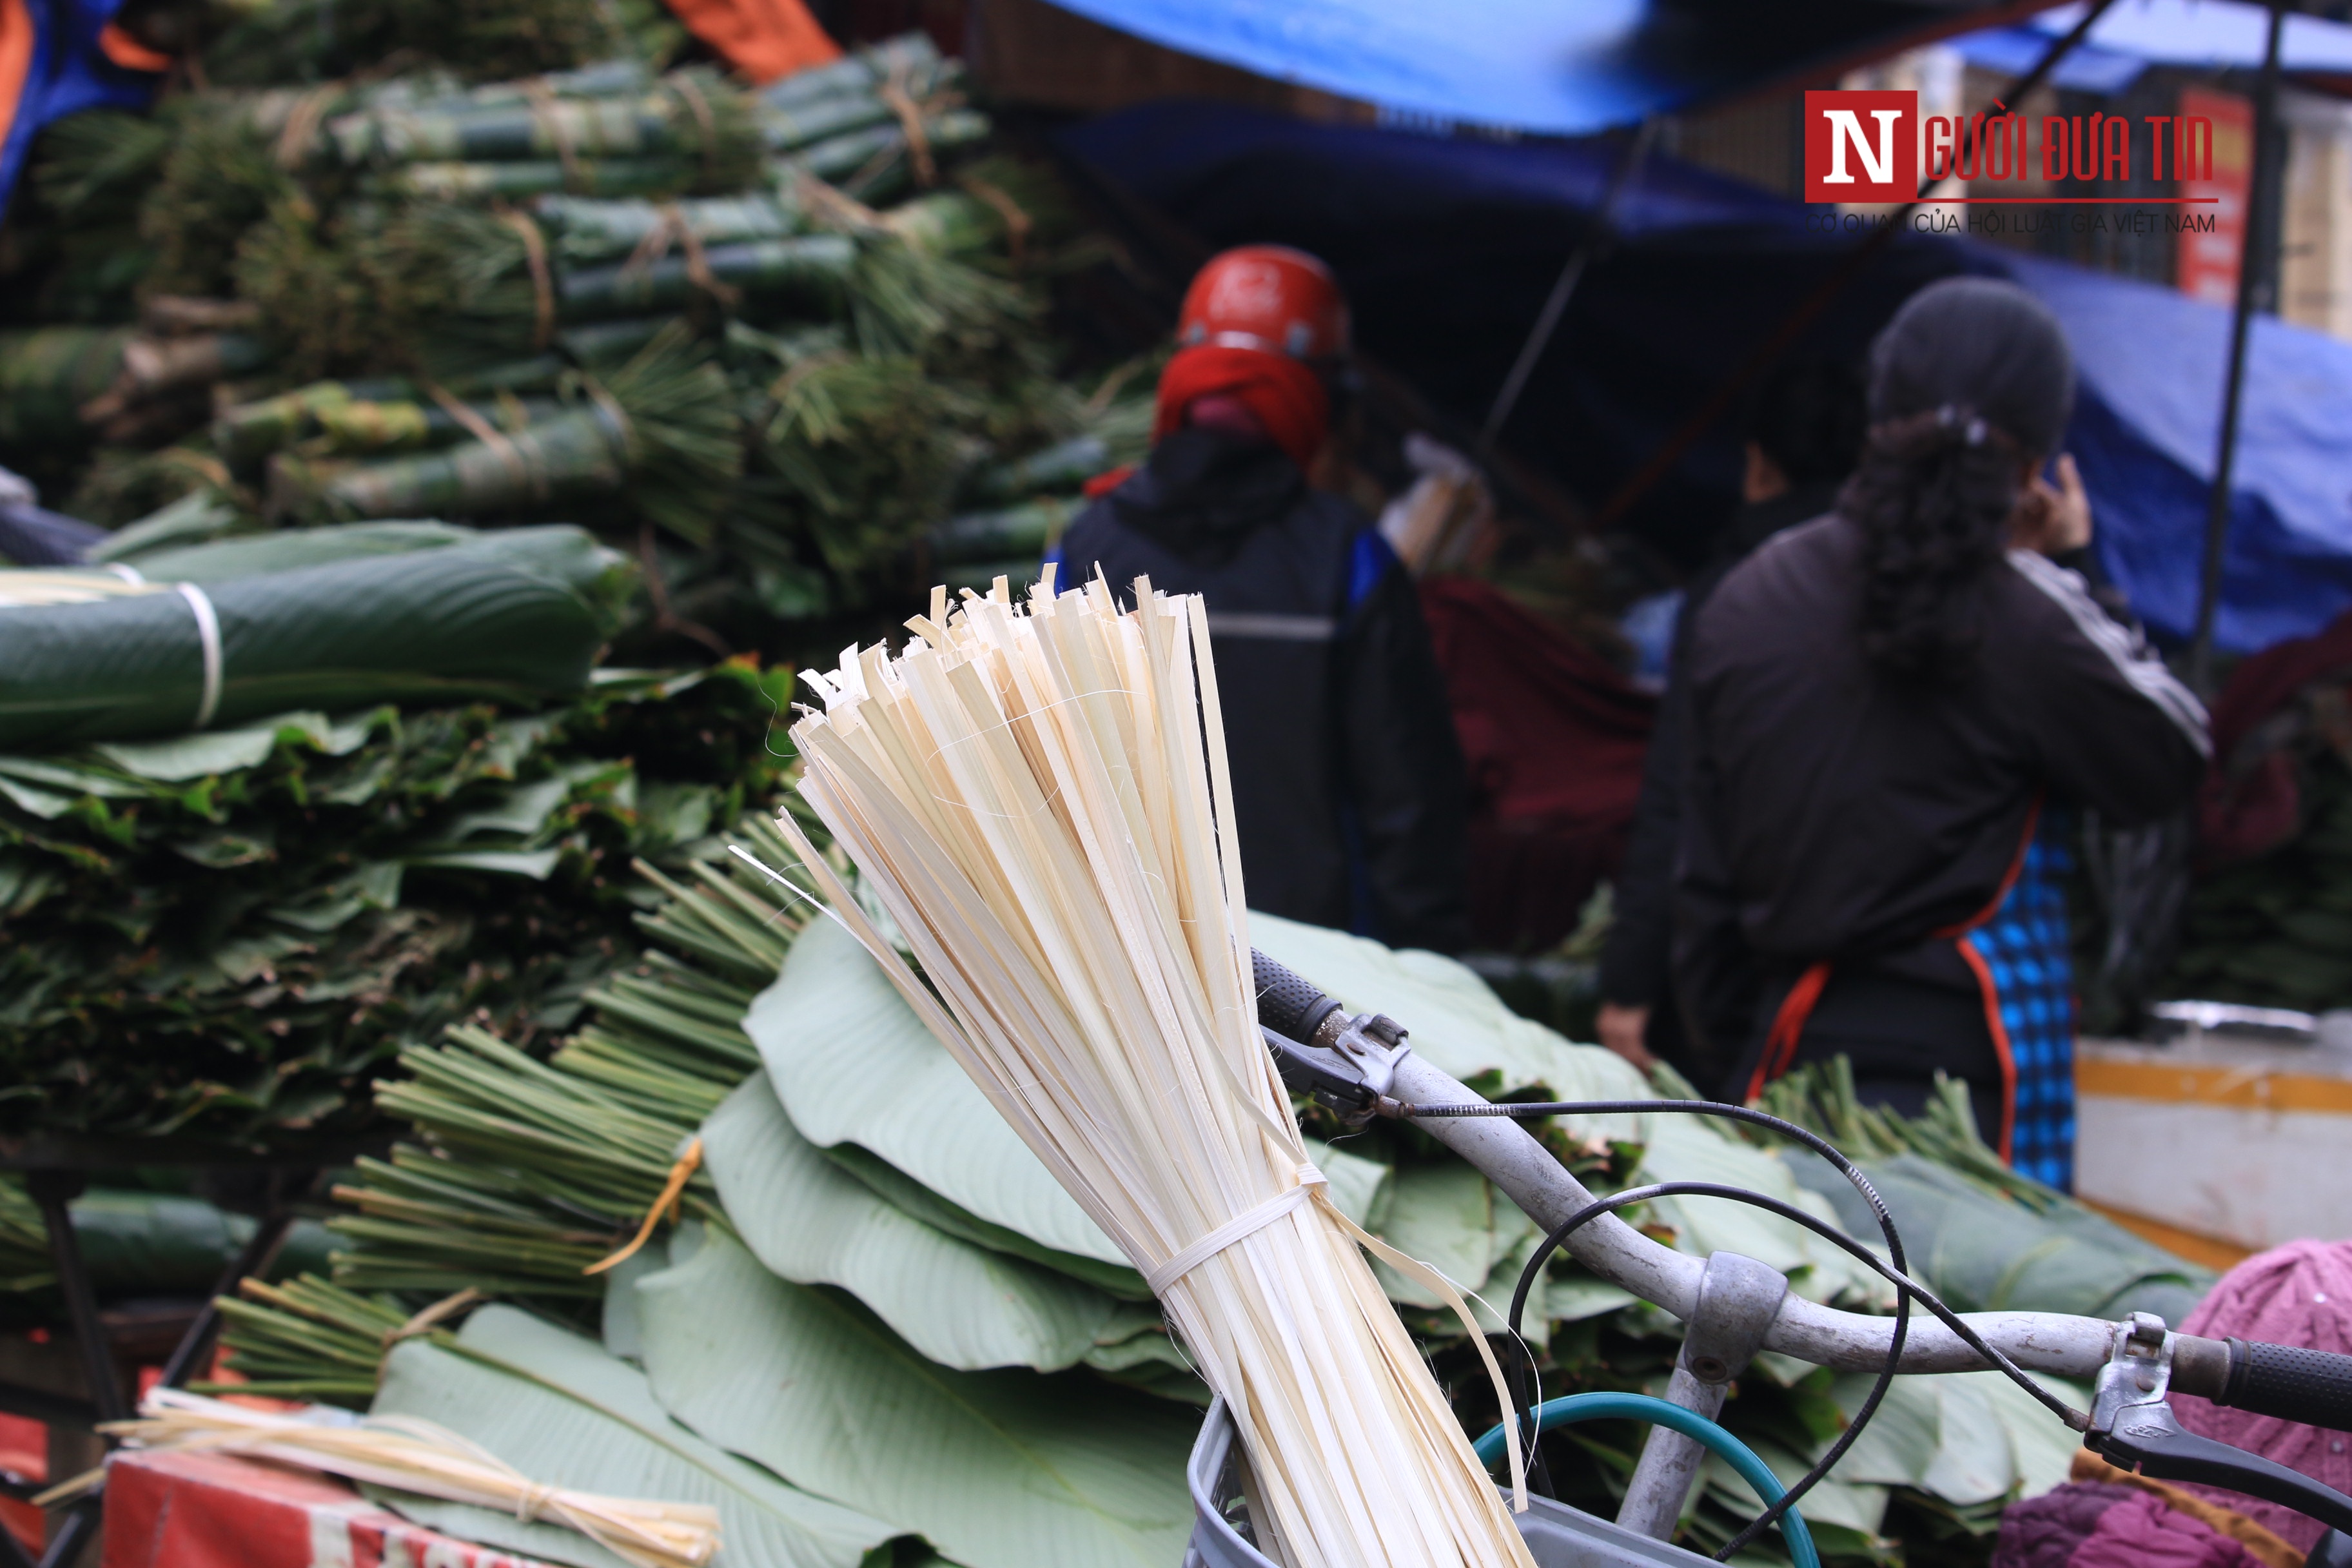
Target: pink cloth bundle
[{"x": 2299, "y": 1294}]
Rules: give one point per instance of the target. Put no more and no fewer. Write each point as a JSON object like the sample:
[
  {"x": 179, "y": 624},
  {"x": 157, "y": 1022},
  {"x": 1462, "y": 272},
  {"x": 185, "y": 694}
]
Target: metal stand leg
[
  {"x": 53, "y": 1191},
  {"x": 268, "y": 1238},
  {"x": 1737, "y": 1299}
]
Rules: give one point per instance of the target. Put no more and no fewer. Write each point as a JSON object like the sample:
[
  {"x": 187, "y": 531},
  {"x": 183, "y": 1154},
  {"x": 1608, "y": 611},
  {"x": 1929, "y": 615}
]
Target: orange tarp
[{"x": 764, "y": 39}]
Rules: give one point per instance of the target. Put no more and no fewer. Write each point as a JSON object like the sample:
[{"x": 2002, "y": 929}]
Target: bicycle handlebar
[
  {"x": 1850, "y": 1341},
  {"x": 2314, "y": 1387}
]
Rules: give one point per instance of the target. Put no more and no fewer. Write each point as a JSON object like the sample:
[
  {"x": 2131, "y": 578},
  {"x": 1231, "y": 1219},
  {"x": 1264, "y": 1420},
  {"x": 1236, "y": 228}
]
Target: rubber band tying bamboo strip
[
  {"x": 894, "y": 97},
  {"x": 301, "y": 125},
  {"x": 1017, "y": 222},
  {"x": 675, "y": 225},
  {"x": 423, "y": 1322},
  {"x": 489, "y": 435},
  {"x": 412, "y": 1455},
  {"x": 833, "y": 207},
  {"x": 673, "y": 1193},
  {"x": 615, "y": 418},
  {"x": 547, "y": 109},
  {"x": 542, "y": 276},
  {"x": 1039, "y": 797},
  {"x": 686, "y": 88}
]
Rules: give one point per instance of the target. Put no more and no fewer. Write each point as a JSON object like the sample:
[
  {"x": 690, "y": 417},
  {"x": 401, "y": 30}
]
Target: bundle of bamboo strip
[
  {"x": 1041, "y": 801},
  {"x": 415, "y": 1456}
]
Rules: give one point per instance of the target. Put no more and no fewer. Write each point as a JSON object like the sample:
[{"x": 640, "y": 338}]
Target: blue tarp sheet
[
  {"x": 67, "y": 72},
  {"x": 2209, "y": 35},
  {"x": 1448, "y": 247},
  {"x": 1531, "y": 65}
]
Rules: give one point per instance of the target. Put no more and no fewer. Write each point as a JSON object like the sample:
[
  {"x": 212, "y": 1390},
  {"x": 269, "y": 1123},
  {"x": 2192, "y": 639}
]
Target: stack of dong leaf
[
  {"x": 416, "y": 803},
  {"x": 860, "y": 1281},
  {"x": 765, "y": 340}
]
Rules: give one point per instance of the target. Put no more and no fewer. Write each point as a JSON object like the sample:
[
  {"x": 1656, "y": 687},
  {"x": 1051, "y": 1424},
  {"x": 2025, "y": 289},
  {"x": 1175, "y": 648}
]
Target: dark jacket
[
  {"x": 1349, "y": 787},
  {"x": 1835, "y": 815},
  {"x": 1636, "y": 964}
]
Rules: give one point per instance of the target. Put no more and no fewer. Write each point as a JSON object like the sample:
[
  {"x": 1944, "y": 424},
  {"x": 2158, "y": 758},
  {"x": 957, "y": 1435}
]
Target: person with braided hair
[{"x": 1893, "y": 708}]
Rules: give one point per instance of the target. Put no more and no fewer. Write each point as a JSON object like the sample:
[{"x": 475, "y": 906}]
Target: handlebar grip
[
  {"x": 2290, "y": 1383},
  {"x": 1289, "y": 1003}
]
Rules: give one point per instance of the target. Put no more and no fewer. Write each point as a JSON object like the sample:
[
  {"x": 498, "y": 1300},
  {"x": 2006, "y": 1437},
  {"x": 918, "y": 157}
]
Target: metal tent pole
[
  {"x": 1784, "y": 334},
  {"x": 1596, "y": 244},
  {"x": 2217, "y": 511}
]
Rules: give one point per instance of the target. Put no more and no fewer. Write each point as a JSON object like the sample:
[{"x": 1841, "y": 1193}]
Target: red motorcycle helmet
[{"x": 1268, "y": 298}]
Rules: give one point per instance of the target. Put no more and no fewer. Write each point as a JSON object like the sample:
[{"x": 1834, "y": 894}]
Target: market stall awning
[
  {"x": 1532, "y": 65},
  {"x": 1448, "y": 247},
  {"x": 2206, "y": 35}
]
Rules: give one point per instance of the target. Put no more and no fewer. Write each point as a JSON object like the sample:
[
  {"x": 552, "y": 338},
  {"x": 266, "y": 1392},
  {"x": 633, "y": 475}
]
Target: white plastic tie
[
  {"x": 1233, "y": 1230},
  {"x": 207, "y": 634},
  {"x": 127, "y": 573}
]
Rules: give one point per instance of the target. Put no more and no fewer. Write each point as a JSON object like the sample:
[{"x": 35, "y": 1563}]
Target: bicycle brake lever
[
  {"x": 2149, "y": 1439},
  {"x": 2132, "y": 1426},
  {"x": 1347, "y": 1063}
]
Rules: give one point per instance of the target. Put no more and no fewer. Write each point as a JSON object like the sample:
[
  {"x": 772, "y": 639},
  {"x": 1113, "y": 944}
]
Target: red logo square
[{"x": 1862, "y": 146}]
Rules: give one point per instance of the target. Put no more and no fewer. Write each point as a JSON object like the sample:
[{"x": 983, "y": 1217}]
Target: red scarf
[{"x": 1287, "y": 398}]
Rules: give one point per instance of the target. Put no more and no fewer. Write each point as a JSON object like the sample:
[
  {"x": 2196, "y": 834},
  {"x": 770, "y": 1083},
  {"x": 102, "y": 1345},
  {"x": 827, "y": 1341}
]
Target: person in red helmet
[{"x": 1348, "y": 786}]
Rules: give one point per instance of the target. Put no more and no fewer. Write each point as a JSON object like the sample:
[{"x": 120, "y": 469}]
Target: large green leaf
[
  {"x": 1983, "y": 1253},
  {"x": 560, "y": 1409},
  {"x": 997, "y": 1469},
  {"x": 958, "y": 1304},
  {"x": 1458, "y": 1024},
  {"x": 853, "y": 1064},
  {"x": 901, "y": 1117},
  {"x": 1450, "y": 1217},
  {"x": 1834, "y": 1502},
  {"x": 1966, "y": 1437}
]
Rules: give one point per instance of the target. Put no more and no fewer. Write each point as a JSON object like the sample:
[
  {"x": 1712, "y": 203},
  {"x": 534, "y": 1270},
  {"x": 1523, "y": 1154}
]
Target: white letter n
[{"x": 1844, "y": 128}]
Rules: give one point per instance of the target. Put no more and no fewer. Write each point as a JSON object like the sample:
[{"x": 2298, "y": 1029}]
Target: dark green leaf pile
[
  {"x": 2275, "y": 931},
  {"x": 231, "y": 934}
]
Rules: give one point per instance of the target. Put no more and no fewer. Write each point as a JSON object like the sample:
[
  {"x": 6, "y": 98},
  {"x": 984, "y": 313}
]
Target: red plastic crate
[{"x": 208, "y": 1511}]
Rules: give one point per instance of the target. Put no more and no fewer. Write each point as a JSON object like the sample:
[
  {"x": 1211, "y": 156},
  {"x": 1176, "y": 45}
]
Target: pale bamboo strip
[
  {"x": 1039, "y": 797},
  {"x": 417, "y": 1456}
]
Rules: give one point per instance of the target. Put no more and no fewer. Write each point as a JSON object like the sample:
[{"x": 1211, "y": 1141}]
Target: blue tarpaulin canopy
[
  {"x": 2206, "y": 35},
  {"x": 1541, "y": 66},
  {"x": 1448, "y": 247}
]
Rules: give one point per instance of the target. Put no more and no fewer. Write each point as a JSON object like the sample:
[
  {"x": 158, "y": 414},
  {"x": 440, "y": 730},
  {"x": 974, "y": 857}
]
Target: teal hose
[{"x": 1690, "y": 1423}]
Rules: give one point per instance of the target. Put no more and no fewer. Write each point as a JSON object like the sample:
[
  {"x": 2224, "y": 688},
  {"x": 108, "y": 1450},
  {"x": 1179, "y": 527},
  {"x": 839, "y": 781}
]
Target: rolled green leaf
[
  {"x": 251, "y": 431},
  {"x": 585, "y": 449},
  {"x": 599, "y": 342},
  {"x": 837, "y": 157},
  {"x": 286, "y": 550},
  {"x": 911, "y": 57},
  {"x": 361, "y": 427},
  {"x": 515, "y": 619},
  {"x": 945, "y": 223},
  {"x": 695, "y": 116},
  {"x": 584, "y": 176},
  {"x": 785, "y": 129},
  {"x": 622, "y": 78},
  {"x": 815, "y": 266},
  {"x": 583, "y": 229},
  {"x": 143, "y": 1242},
  {"x": 1020, "y": 532},
  {"x": 668, "y": 423}
]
